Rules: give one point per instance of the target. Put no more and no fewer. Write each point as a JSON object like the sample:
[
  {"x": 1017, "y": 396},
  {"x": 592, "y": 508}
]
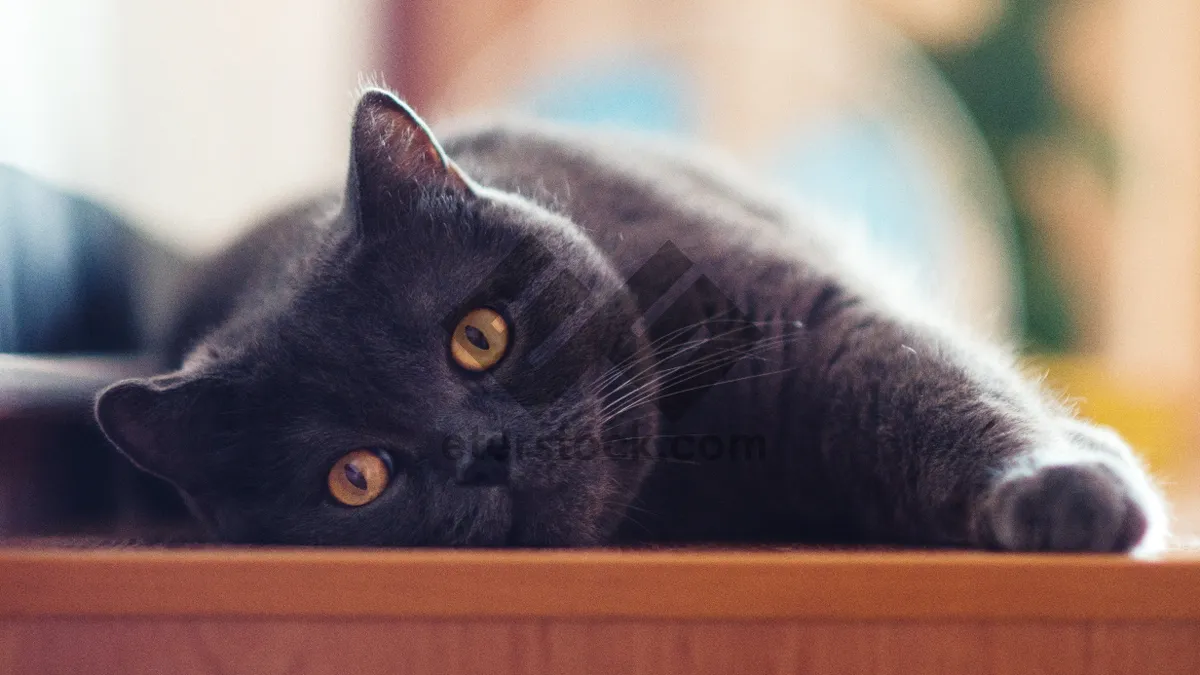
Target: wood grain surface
[
  {"x": 365, "y": 647},
  {"x": 364, "y": 612},
  {"x": 679, "y": 584}
]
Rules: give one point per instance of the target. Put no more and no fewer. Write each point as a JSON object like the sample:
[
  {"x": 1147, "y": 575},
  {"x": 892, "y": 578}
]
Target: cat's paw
[{"x": 1085, "y": 506}]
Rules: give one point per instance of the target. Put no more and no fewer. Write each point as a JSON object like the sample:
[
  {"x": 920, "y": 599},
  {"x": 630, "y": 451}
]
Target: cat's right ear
[
  {"x": 151, "y": 422},
  {"x": 394, "y": 157}
]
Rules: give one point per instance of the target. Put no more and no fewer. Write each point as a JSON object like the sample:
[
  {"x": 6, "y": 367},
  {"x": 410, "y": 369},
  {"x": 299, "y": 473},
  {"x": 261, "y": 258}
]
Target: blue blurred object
[
  {"x": 858, "y": 167},
  {"x": 630, "y": 91},
  {"x": 64, "y": 272},
  {"x": 862, "y": 168}
]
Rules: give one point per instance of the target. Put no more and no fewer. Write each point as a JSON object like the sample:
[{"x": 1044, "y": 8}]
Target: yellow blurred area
[{"x": 1158, "y": 424}]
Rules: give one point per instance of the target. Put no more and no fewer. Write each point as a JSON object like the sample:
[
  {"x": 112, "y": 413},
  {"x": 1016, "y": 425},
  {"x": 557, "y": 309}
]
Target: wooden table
[{"x": 361, "y": 612}]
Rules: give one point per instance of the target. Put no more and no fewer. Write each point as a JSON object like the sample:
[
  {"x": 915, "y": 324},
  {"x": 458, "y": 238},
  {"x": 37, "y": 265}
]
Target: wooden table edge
[{"x": 589, "y": 585}]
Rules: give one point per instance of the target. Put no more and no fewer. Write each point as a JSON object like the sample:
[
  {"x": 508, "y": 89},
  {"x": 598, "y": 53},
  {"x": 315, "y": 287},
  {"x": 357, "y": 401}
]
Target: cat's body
[
  {"x": 762, "y": 475},
  {"x": 692, "y": 360}
]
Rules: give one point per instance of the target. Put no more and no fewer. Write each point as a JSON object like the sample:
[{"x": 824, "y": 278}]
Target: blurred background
[{"x": 1039, "y": 158}]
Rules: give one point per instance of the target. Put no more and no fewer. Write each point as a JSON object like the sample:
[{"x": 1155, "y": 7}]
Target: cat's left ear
[
  {"x": 393, "y": 152},
  {"x": 156, "y": 422}
]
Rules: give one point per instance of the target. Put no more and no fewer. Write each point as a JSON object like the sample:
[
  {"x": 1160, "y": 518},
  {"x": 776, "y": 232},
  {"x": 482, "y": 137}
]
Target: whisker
[
  {"x": 684, "y": 391},
  {"x": 654, "y": 346},
  {"x": 622, "y": 510},
  {"x": 659, "y": 371},
  {"x": 669, "y": 335},
  {"x": 666, "y": 379},
  {"x": 617, "y": 370}
]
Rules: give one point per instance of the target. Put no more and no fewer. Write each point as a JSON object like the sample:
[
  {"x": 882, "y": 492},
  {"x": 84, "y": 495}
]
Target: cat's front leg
[{"x": 935, "y": 439}]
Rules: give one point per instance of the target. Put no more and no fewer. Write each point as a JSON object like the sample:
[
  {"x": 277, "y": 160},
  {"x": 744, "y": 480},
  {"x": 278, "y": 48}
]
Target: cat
[{"x": 532, "y": 336}]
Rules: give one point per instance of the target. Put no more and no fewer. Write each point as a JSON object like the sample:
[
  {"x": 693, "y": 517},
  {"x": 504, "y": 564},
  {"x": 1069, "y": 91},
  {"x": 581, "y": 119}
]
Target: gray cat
[{"x": 538, "y": 337}]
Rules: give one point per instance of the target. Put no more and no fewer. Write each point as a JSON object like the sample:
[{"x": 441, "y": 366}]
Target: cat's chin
[{"x": 568, "y": 517}]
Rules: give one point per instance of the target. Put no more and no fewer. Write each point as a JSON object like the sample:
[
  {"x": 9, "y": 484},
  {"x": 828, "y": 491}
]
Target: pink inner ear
[
  {"x": 384, "y": 123},
  {"x": 461, "y": 180},
  {"x": 413, "y": 149}
]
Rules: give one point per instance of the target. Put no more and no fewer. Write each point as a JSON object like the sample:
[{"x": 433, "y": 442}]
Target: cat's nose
[{"x": 485, "y": 463}]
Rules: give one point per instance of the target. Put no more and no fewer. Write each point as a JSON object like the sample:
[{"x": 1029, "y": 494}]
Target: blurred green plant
[{"x": 1003, "y": 79}]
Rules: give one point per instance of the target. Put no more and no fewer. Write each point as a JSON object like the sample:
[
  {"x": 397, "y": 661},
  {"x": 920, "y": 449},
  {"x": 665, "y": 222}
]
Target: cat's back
[{"x": 633, "y": 193}]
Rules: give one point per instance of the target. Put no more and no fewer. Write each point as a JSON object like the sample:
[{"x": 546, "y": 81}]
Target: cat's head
[{"x": 447, "y": 365}]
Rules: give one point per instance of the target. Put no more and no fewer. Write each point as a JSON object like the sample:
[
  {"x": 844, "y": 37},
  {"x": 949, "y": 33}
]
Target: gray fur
[{"x": 879, "y": 422}]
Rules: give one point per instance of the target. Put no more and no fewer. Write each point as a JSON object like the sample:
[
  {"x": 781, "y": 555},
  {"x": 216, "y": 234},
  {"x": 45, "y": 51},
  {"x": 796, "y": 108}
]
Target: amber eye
[
  {"x": 358, "y": 478},
  {"x": 479, "y": 340}
]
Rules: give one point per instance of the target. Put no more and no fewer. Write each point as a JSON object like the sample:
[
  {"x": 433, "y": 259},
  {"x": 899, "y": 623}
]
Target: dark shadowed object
[{"x": 70, "y": 323}]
